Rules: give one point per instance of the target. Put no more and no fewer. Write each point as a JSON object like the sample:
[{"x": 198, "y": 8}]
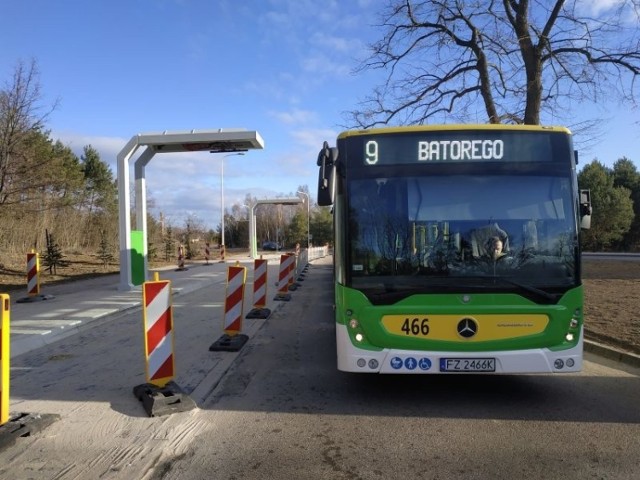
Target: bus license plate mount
[{"x": 468, "y": 364}]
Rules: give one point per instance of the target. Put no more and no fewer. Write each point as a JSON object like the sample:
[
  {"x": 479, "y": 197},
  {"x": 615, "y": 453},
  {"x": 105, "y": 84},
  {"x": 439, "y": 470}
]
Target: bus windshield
[{"x": 437, "y": 234}]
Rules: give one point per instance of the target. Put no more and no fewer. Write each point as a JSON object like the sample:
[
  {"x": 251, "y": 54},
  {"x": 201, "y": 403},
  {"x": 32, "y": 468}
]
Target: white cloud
[
  {"x": 596, "y": 7},
  {"x": 322, "y": 66},
  {"x": 335, "y": 43},
  {"x": 295, "y": 116},
  {"x": 314, "y": 138}
]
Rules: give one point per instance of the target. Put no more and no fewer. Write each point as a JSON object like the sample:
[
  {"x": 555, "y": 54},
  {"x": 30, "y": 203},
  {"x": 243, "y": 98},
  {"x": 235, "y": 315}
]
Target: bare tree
[
  {"x": 21, "y": 117},
  {"x": 505, "y": 61}
]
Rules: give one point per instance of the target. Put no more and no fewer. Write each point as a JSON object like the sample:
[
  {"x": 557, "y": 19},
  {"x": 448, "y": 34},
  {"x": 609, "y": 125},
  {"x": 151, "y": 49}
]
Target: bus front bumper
[{"x": 538, "y": 360}]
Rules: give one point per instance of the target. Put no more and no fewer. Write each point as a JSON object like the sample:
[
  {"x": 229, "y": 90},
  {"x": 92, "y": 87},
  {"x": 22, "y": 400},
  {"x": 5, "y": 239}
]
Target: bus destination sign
[
  {"x": 464, "y": 150},
  {"x": 457, "y": 146}
]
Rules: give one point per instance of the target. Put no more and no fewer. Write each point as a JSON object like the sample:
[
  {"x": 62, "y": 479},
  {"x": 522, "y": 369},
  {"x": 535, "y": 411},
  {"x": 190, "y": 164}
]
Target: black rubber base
[
  {"x": 261, "y": 313},
  {"x": 24, "y": 425},
  {"x": 158, "y": 401},
  {"x": 282, "y": 297},
  {"x": 34, "y": 298},
  {"x": 228, "y": 343}
]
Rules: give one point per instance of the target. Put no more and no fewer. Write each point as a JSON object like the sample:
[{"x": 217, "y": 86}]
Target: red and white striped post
[
  {"x": 292, "y": 272},
  {"x": 221, "y": 254},
  {"x": 160, "y": 395},
  {"x": 207, "y": 251},
  {"x": 232, "y": 339},
  {"x": 33, "y": 280},
  {"x": 234, "y": 299},
  {"x": 158, "y": 332},
  {"x": 286, "y": 261},
  {"x": 259, "y": 290},
  {"x": 33, "y": 274}
]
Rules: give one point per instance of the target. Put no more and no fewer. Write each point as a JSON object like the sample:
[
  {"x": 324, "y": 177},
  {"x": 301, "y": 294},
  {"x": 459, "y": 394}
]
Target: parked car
[{"x": 271, "y": 246}]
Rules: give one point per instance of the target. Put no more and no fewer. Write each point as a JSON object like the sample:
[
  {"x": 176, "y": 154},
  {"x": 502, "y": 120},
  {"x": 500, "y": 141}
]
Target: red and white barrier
[
  {"x": 259, "y": 309},
  {"x": 206, "y": 253},
  {"x": 287, "y": 262},
  {"x": 158, "y": 329},
  {"x": 33, "y": 280},
  {"x": 259, "y": 283},
  {"x": 232, "y": 340},
  {"x": 221, "y": 253},
  {"x": 292, "y": 271},
  {"x": 33, "y": 274},
  {"x": 234, "y": 298}
]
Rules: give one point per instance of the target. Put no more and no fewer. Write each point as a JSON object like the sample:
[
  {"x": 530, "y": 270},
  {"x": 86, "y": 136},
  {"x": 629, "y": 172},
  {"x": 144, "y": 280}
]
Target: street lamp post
[
  {"x": 222, "y": 196},
  {"x": 308, "y": 215}
]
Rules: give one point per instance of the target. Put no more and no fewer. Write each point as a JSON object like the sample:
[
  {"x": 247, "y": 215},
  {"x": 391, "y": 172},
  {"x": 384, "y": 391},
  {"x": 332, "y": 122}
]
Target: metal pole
[
  {"x": 308, "y": 221},
  {"x": 222, "y": 195},
  {"x": 308, "y": 215},
  {"x": 222, "y": 202}
]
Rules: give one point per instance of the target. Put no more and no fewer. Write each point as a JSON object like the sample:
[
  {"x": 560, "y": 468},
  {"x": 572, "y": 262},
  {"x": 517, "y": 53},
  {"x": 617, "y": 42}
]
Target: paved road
[
  {"x": 279, "y": 409},
  {"x": 283, "y": 412}
]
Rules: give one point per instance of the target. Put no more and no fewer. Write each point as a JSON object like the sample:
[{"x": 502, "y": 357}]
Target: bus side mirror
[
  {"x": 327, "y": 175},
  {"x": 585, "y": 209}
]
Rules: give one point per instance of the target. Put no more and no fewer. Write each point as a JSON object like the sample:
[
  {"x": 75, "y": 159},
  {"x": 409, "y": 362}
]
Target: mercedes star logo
[{"x": 467, "y": 327}]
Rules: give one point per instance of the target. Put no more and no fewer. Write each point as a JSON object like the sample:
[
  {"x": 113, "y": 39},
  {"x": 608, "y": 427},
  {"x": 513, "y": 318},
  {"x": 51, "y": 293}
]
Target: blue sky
[{"x": 280, "y": 67}]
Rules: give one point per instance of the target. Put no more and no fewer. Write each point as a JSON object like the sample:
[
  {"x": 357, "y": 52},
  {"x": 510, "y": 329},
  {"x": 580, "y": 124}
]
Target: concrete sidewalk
[{"x": 75, "y": 306}]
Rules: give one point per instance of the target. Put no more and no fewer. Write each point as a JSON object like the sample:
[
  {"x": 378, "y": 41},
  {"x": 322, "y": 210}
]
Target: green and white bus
[{"x": 418, "y": 287}]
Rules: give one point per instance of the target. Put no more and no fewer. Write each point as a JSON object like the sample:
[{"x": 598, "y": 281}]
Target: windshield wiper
[
  {"x": 391, "y": 294},
  {"x": 394, "y": 293},
  {"x": 527, "y": 288}
]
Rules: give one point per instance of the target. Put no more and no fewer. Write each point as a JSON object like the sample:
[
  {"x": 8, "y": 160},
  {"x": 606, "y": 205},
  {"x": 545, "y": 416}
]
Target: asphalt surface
[{"x": 70, "y": 308}]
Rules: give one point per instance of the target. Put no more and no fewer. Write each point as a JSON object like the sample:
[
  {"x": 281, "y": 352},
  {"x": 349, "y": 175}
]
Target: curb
[{"x": 611, "y": 353}]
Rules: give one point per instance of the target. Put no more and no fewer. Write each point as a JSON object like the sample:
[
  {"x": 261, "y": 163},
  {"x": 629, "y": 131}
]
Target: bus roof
[{"x": 453, "y": 127}]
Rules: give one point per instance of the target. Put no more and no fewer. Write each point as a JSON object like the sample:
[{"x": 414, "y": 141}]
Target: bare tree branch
[
  {"x": 515, "y": 60},
  {"x": 20, "y": 118}
]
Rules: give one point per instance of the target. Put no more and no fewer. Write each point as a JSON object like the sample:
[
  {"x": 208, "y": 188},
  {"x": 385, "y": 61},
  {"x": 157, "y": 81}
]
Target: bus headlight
[
  {"x": 356, "y": 330},
  {"x": 569, "y": 337}
]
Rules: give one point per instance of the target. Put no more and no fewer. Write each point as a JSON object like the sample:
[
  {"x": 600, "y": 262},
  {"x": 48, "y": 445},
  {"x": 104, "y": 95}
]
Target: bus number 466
[{"x": 416, "y": 326}]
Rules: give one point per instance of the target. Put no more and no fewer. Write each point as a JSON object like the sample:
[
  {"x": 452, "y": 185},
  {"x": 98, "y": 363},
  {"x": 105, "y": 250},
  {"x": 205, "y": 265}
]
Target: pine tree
[
  {"x": 104, "y": 252},
  {"x": 53, "y": 257}
]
